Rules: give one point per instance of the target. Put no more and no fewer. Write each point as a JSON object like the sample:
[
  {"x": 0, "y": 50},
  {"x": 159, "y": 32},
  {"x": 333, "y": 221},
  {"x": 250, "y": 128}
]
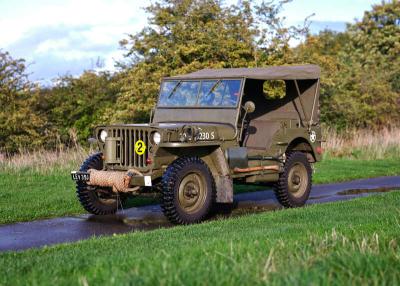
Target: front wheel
[
  {"x": 294, "y": 185},
  {"x": 188, "y": 192},
  {"x": 97, "y": 200}
]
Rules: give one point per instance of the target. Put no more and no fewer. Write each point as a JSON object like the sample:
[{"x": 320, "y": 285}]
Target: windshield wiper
[
  {"x": 174, "y": 89},
  {"x": 213, "y": 87}
]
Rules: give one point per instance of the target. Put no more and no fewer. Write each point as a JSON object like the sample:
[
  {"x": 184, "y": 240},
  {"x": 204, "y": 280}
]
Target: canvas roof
[{"x": 298, "y": 72}]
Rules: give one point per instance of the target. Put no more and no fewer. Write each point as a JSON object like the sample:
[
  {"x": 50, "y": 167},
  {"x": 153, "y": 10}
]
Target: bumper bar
[{"x": 118, "y": 181}]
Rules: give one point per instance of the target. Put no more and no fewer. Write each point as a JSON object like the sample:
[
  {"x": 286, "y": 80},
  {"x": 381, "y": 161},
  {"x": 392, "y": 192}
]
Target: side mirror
[{"x": 249, "y": 106}]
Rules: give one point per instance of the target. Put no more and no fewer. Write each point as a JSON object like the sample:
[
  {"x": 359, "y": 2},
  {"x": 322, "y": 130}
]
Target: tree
[
  {"x": 20, "y": 124},
  {"x": 370, "y": 69},
  {"x": 361, "y": 69},
  {"x": 188, "y": 35},
  {"x": 79, "y": 104}
]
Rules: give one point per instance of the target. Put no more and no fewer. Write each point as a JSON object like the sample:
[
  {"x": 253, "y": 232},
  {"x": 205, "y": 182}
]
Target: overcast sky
[{"x": 68, "y": 36}]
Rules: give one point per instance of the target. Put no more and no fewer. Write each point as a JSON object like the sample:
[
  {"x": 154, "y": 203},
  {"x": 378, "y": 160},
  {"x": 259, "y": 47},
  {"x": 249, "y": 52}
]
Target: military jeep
[{"x": 210, "y": 129}]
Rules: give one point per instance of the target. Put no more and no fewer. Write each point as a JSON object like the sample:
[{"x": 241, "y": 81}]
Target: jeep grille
[{"x": 125, "y": 145}]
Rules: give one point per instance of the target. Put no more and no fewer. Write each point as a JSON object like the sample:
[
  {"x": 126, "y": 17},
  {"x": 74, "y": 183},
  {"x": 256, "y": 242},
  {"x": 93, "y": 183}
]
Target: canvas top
[{"x": 296, "y": 72}]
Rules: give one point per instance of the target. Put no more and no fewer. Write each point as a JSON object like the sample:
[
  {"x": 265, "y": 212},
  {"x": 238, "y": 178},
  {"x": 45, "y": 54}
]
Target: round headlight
[
  {"x": 156, "y": 137},
  {"x": 103, "y": 135}
]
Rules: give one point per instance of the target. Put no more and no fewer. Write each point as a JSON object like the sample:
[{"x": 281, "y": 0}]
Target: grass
[
  {"x": 342, "y": 169},
  {"x": 44, "y": 161},
  {"x": 342, "y": 243},
  {"x": 362, "y": 144},
  {"x": 30, "y": 195},
  {"x": 42, "y": 196}
]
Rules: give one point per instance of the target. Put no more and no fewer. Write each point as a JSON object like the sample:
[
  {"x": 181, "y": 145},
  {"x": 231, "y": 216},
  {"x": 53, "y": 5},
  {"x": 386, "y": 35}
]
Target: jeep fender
[
  {"x": 304, "y": 145},
  {"x": 220, "y": 169},
  {"x": 215, "y": 159}
]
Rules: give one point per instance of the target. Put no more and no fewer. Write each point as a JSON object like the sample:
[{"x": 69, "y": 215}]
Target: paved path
[{"x": 39, "y": 233}]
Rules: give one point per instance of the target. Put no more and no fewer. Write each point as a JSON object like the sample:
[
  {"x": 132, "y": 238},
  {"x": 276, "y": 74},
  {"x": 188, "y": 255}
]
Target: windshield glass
[{"x": 206, "y": 93}]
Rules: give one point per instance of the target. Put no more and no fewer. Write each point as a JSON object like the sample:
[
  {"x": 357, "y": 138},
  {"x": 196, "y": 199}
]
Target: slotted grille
[{"x": 126, "y": 146}]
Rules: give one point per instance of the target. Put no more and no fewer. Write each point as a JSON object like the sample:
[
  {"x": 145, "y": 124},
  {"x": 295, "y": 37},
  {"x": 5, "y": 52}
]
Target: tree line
[{"x": 360, "y": 84}]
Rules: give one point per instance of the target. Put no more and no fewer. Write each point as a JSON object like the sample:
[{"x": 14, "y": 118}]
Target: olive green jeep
[{"x": 209, "y": 130}]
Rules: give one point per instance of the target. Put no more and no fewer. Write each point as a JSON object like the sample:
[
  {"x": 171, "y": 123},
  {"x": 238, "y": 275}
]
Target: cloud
[
  {"x": 68, "y": 36},
  {"x": 57, "y": 50},
  {"x": 23, "y": 16},
  {"x": 60, "y": 37}
]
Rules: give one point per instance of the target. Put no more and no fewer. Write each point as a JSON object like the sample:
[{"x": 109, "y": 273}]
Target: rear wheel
[
  {"x": 188, "y": 191},
  {"x": 97, "y": 200},
  {"x": 294, "y": 185}
]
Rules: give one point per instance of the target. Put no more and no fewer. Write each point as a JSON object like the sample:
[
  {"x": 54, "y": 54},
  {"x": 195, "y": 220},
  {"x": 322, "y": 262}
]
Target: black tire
[
  {"x": 181, "y": 181},
  {"x": 294, "y": 184},
  {"x": 96, "y": 200}
]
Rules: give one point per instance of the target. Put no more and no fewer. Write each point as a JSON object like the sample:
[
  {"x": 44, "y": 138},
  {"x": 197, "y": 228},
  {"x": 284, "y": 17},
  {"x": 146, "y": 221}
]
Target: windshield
[{"x": 205, "y": 93}]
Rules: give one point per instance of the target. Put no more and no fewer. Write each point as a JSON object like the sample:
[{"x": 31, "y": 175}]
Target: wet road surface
[{"x": 39, "y": 233}]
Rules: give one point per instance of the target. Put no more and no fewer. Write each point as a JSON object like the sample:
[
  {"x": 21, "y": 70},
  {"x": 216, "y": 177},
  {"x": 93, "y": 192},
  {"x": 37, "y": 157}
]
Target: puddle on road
[
  {"x": 365, "y": 191},
  {"x": 107, "y": 219},
  {"x": 145, "y": 220},
  {"x": 150, "y": 220},
  {"x": 319, "y": 197},
  {"x": 154, "y": 220},
  {"x": 141, "y": 221}
]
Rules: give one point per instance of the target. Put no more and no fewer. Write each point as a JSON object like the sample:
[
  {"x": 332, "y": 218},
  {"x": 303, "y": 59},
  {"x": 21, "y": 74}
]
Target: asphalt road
[{"x": 20, "y": 236}]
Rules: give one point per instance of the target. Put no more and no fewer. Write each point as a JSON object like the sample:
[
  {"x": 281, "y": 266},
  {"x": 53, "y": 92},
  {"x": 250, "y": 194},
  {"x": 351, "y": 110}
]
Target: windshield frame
[{"x": 197, "y": 106}]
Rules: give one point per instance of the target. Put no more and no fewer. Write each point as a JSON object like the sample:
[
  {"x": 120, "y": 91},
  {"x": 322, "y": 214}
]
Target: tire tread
[
  {"x": 169, "y": 180},
  {"x": 281, "y": 192},
  {"x": 85, "y": 195}
]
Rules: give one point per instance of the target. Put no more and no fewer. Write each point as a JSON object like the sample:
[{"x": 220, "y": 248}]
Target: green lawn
[
  {"x": 343, "y": 243},
  {"x": 28, "y": 196},
  {"x": 336, "y": 170}
]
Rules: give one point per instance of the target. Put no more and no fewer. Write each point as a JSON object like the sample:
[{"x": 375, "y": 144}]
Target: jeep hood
[{"x": 211, "y": 131}]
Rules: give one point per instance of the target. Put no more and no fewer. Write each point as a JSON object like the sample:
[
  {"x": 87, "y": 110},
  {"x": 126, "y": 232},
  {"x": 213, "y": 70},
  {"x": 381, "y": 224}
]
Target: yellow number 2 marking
[{"x": 140, "y": 147}]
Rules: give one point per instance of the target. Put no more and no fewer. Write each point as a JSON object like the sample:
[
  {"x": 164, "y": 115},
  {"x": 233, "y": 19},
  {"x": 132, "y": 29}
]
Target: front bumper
[{"x": 119, "y": 181}]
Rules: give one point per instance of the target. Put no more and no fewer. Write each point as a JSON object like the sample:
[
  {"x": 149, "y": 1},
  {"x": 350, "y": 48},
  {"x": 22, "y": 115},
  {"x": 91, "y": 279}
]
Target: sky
[{"x": 58, "y": 37}]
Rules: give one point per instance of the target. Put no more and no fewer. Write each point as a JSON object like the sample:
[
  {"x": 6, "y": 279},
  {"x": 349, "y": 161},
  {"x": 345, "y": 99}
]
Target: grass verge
[
  {"x": 341, "y": 169},
  {"x": 30, "y": 195},
  {"x": 362, "y": 144},
  {"x": 342, "y": 243}
]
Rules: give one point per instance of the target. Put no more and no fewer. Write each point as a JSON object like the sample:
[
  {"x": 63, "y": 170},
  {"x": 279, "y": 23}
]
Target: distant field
[
  {"x": 345, "y": 243},
  {"x": 29, "y": 195}
]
